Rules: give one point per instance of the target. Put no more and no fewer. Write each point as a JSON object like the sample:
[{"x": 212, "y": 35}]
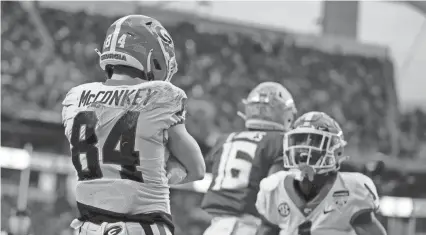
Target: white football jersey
[
  {"x": 118, "y": 136},
  {"x": 329, "y": 213}
]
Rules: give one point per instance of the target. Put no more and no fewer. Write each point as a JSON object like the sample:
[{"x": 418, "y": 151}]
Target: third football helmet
[
  {"x": 316, "y": 140},
  {"x": 140, "y": 42},
  {"x": 269, "y": 106}
]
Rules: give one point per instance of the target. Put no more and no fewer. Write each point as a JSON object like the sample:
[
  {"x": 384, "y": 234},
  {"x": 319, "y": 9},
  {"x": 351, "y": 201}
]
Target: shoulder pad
[
  {"x": 168, "y": 94},
  {"x": 356, "y": 178},
  {"x": 168, "y": 88},
  {"x": 367, "y": 182},
  {"x": 364, "y": 189},
  {"x": 271, "y": 182},
  {"x": 359, "y": 181}
]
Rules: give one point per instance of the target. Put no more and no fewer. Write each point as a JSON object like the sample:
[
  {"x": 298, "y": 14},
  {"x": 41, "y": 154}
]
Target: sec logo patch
[
  {"x": 114, "y": 230},
  {"x": 284, "y": 209}
]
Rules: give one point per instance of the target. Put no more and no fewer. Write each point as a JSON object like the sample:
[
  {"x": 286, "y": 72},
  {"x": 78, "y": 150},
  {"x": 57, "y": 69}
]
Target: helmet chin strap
[
  {"x": 98, "y": 52},
  {"x": 149, "y": 74},
  {"x": 242, "y": 115}
]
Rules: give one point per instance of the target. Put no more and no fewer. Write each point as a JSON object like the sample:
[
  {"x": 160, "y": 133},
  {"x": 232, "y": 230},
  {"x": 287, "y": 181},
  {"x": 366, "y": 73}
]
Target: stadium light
[
  {"x": 396, "y": 206},
  {"x": 12, "y": 158}
]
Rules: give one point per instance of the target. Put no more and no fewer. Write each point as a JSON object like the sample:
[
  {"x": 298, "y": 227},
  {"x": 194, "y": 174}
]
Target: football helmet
[
  {"x": 140, "y": 42},
  {"x": 315, "y": 140},
  {"x": 269, "y": 106}
]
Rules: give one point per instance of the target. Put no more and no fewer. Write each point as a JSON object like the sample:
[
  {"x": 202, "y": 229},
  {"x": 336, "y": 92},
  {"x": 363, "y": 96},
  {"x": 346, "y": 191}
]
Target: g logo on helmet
[
  {"x": 114, "y": 230},
  {"x": 164, "y": 35}
]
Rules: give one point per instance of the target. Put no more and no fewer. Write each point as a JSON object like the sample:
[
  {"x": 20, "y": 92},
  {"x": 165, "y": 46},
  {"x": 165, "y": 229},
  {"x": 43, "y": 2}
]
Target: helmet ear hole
[
  {"x": 109, "y": 69},
  {"x": 157, "y": 64}
]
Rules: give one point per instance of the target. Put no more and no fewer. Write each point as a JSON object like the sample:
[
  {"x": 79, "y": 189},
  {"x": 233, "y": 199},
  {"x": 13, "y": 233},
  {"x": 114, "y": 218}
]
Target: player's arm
[
  {"x": 180, "y": 143},
  {"x": 215, "y": 151},
  {"x": 184, "y": 147},
  {"x": 266, "y": 205},
  {"x": 262, "y": 204},
  {"x": 364, "y": 220},
  {"x": 366, "y": 223},
  {"x": 267, "y": 228},
  {"x": 278, "y": 165},
  {"x": 274, "y": 151},
  {"x": 69, "y": 109}
]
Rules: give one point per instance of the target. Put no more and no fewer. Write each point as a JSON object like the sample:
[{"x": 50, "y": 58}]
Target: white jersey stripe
[
  {"x": 116, "y": 32},
  {"x": 309, "y": 116},
  {"x": 155, "y": 230}
]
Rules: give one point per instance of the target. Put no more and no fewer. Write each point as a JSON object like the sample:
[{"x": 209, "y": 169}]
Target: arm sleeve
[
  {"x": 266, "y": 199},
  {"x": 169, "y": 105},
  {"x": 70, "y": 109},
  {"x": 215, "y": 151},
  {"x": 365, "y": 196},
  {"x": 274, "y": 152}
]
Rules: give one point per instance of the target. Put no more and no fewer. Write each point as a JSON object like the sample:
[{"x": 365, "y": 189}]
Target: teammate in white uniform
[
  {"x": 314, "y": 198},
  {"x": 121, "y": 132}
]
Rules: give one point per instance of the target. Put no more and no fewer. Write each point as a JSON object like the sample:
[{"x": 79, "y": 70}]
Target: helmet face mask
[{"x": 317, "y": 144}]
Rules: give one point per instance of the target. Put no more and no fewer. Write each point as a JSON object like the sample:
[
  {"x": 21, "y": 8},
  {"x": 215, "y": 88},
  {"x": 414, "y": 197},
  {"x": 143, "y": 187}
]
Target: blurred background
[{"x": 361, "y": 62}]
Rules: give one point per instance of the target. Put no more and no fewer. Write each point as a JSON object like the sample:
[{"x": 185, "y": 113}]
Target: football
[{"x": 176, "y": 172}]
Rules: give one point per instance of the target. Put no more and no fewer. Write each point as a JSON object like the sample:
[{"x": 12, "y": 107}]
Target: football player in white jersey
[
  {"x": 314, "y": 198},
  {"x": 121, "y": 132}
]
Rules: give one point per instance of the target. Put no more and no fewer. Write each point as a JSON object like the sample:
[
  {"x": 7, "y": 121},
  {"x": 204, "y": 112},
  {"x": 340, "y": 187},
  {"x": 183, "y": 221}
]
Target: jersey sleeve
[
  {"x": 266, "y": 203},
  {"x": 365, "y": 197},
  {"x": 273, "y": 149},
  {"x": 215, "y": 151},
  {"x": 70, "y": 109},
  {"x": 169, "y": 105}
]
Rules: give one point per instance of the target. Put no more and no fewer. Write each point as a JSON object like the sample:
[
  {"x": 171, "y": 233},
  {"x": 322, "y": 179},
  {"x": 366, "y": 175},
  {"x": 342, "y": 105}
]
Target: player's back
[
  {"x": 241, "y": 160},
  {"x": 118, "y": 136}
]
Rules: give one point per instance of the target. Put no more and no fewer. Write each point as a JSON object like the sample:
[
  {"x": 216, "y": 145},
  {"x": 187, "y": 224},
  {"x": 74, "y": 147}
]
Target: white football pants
[
  {"x": 119, "y": 228},
  {"x": 232, "y": 225}
]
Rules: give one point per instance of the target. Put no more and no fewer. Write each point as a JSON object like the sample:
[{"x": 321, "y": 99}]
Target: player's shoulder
[
  {"x": 355, "y": 179},
  {"x": 273, "y": 136},
  {"x": 226, "y": 137},
  {"x": 272, "y": 182},
  {"x": 74, "y": 93},
  {"x": 272, "y": 144},
  {"x": 166, "y": 94},
  {"x": 258, "y": 135},
  {"x": 166, "y": 88}
]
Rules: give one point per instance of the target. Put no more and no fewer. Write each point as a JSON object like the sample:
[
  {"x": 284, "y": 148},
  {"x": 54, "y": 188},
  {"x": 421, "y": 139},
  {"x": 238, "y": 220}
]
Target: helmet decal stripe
[
  {"x": 308, "y": 118},
  {"x": 116, "y": 32}
]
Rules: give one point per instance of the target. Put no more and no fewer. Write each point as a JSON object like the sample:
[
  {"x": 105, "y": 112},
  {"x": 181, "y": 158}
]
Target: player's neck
[
  {"x": 309, "y": 189},
  {"x": 123, "y": 78}
]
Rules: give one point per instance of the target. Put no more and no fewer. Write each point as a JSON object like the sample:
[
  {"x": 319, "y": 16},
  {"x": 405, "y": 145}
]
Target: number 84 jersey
[
  {"x": 118, "y": 136},
  {"x": 330, "y": 212}
]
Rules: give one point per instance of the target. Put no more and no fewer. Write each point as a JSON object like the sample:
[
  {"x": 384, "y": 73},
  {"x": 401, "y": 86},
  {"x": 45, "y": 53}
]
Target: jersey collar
[
  {"x": 306, "y": 207},
  {"x": 111, "y": 82}
]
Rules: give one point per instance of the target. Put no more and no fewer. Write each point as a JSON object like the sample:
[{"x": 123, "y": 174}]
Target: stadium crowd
[{"x": 216, "y": 70}]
